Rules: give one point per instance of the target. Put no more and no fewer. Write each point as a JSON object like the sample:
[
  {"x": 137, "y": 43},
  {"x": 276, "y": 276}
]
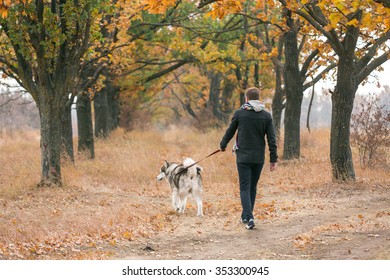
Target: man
[{"x": 252, "y": 124}]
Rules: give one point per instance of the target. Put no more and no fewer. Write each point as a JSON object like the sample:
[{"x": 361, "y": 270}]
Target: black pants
[{"x": 249, "y": 174}]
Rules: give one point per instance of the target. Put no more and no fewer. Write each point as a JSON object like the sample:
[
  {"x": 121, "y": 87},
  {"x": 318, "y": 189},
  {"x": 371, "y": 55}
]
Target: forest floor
[{"x": 113, "y": 208}]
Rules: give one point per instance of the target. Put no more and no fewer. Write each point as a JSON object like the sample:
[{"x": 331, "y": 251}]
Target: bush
[{"x": 370, "y": 131}]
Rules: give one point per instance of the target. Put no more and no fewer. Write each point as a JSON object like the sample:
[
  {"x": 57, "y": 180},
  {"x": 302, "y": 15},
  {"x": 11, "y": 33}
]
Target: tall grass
[{"x": 19, "y": 162}]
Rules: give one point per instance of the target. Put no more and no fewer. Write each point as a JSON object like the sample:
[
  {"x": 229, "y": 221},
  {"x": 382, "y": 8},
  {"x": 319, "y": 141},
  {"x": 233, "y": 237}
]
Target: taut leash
[{"x": 213, "y": 153}]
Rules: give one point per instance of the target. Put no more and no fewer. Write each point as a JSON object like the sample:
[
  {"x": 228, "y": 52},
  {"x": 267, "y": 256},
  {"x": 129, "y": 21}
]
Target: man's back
[{"x": 252, "y": 128}]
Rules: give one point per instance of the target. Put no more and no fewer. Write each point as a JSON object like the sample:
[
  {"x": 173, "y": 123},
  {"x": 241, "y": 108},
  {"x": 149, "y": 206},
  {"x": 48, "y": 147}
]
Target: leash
[{"x": 213, "y": 153}]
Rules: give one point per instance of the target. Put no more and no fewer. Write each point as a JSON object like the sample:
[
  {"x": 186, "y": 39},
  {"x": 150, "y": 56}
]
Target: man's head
[{"x": 252, "y": 93}]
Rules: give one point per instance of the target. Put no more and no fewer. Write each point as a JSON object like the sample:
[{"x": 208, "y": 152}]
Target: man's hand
[{"x": 272, "y": 166}]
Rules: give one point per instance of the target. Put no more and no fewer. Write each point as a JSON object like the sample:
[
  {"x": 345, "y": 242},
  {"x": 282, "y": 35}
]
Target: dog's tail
[{"x": 192, "y": 170}]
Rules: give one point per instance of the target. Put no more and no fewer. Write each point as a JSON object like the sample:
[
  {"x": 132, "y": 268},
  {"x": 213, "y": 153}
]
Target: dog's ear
[
  {"x": 199, "y": 169},
  {"x": 166, "y": 163}
]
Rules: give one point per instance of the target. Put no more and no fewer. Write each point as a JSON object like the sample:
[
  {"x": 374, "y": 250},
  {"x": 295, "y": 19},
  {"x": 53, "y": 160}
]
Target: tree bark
[
  {"x": 226, "y": 102},
  {"x": 294, "y": 96},
  {"x": 113, "y": 106},
  {"x": 342, "y": 105},
  {"x": 309, "y": 109},
  {"x": 67, "y": 133},
  {"x": 84, "y": 125},
  {"x": 215, "y": 93},
  {"x": 51, "y": 130},
  {"x": 101, "y": 113},
  {"x": 277, "y": 101},
  {"x": 243, "y": 82}
]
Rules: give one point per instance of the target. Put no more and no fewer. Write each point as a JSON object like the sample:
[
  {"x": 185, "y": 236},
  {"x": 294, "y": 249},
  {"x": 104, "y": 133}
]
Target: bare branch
[
  {"x": 385, "y": 3},
  {"x": 167, "y": 70},
  {"x": 11, "y": 100},
  {"x": 372, "y": 51},
  {"x": 319, "y": 76},
  {"x": 205, "y": 3},
  {"x": 307, "y": 62},
  {"x": 332, "y": 37},
  {"x": 363, "y": 74}
]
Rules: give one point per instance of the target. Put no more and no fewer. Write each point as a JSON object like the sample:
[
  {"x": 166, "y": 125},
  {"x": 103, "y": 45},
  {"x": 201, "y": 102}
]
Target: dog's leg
[
  {"x": 198, "y": 198},
  {"x": 183, "y": 201},
  {"x": 175, "y": 199}
]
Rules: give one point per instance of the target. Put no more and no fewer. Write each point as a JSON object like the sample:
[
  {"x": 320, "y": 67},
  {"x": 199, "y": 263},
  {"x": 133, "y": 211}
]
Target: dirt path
[
  {"x": 345, "y": 223},
  {"x": 326, "y": 222}
]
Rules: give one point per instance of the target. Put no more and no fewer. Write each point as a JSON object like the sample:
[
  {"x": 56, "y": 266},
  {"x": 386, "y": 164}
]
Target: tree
[
  {"x": 293, "y": 89},
  {"x": 44, "y": 44},
  {"x": 357, "y": 32},
  {"x": 106, "y": 108},
  {"x": 300, "y": 63}
]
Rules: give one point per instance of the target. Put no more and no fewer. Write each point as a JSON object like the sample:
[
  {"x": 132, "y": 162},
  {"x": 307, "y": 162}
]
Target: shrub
[{"x": 370, "y": 131}]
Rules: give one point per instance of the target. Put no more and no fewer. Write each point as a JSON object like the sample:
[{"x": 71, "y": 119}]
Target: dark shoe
[
  {"x": 250, "y": 224},
  {"x": 244, "y": 221}
]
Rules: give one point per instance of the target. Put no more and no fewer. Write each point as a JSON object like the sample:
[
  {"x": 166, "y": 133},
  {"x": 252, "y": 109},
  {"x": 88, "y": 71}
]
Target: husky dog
[{"x": 183, "y": 181}]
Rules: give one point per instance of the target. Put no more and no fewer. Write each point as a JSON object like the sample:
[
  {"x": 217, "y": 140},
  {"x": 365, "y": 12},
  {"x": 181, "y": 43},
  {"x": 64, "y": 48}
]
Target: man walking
[{"x": 253, "y": 124}]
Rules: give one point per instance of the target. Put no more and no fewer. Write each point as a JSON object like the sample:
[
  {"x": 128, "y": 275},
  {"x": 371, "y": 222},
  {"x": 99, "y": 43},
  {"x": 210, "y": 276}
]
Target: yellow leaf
[
  {"x": 335, "y": 19},
  {"x": 322, "y": 4},
  {"x": 367, "y": 17},
  {"x": 341, "y": 5},
  {"x": 274, "y": 52},
  {"x": 3, "y": 12},
  {"x": 128, "y": 235},
  {"x": 355, "y": 5},
  {"x": 353, "y": 22},
  {"x": 386, "y": 22},
  {"x": 264, "y": 56}
]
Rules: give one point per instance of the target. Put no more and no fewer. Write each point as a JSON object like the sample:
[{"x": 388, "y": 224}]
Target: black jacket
[{"x": 252, "y": 128}]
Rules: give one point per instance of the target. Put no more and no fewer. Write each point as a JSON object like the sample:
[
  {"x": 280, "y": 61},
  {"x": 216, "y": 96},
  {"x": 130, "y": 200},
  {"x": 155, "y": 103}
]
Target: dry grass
[
  {"x": 20, "y": 163},
  {"x": 115, "y": 198}
]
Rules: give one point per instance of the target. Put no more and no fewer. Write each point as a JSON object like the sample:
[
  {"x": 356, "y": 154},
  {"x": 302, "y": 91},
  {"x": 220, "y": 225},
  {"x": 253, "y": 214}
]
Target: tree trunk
[
  {"x": 101, "y": 113},
  {"x": 227, "y": 103},
  {"x": 84, "y": 125},
  {"x": 294, "y": 96},
  {"x": 256, "y": 75},
  {"x": 51, "y": 129},
  {"x": 342, "y": 105},
  {"x": 277, "y": 101},
  {"x": 214, "y": 97},
  {"x": 67, "y": 133},
  {"x": 243, "y": 82},
  {"x": 113, "y": 106}
]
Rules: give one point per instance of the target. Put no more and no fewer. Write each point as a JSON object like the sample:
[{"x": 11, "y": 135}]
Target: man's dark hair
[{"x": 252, "y": 93}]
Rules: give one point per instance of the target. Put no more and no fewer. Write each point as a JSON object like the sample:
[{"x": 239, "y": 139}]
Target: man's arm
[
  {"x": 229, "y": 132},
  {"x": 273, "y": 148}
]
